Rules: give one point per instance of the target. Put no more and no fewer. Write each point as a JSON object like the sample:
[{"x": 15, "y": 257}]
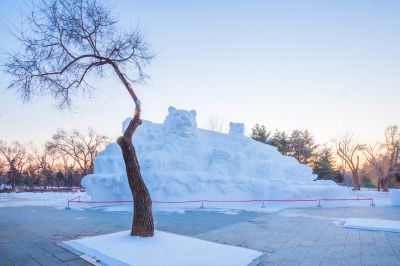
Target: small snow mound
[
  {"x": 373, "y": 224},
  {"x": 395, "y": 197}
]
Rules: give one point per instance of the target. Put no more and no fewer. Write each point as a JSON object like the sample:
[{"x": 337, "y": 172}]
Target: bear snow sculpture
[{"x": 180, "y": 161}]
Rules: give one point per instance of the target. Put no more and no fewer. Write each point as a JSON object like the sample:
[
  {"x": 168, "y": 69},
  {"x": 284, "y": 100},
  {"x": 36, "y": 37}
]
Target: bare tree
[
  {"x": 215, "y": 123},
  {"x": 2, "y": 166},
  {"x": 15, "y": 157},
  {"x": 66, "y": 165},
  {"x": 31, "y": 171},
  {"x": 2, "y": 170},
  {"x": 373, "y": 154},
  {"x": 82, "y": 150},
  {"x": 45, "y": 162},
  {"x": 65, "y": 42},
  {"x": 349, "y": 150},
  {"x": 392, "y": 149}
]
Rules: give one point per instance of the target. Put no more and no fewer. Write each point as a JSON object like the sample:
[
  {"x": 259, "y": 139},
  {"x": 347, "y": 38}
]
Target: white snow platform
[
  {"x": 373, "y": 224},
  {"x": 163, "y": 249}
]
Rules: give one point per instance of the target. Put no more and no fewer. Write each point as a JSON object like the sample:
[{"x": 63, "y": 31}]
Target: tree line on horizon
[
  {"x": 68, "y": 156},
  {"x": 61, "y": 162},
  {"x": 373, "y": 165}
]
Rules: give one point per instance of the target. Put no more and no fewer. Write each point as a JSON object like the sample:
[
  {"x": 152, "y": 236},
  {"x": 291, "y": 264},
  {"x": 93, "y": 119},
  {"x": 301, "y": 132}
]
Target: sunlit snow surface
[
  {"x": 163, "y": 249},
  {"x": 373, "y": 224},
  {"x": 53, "y": 199},
  {"x": 182, "y": 162}
]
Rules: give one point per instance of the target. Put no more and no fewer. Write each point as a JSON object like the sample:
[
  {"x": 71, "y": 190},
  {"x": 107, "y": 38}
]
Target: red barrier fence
[{"x": 78, "y": 200}]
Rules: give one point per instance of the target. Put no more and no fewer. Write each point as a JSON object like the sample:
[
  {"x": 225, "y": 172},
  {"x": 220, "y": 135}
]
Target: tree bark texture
[
  {"x": 356, "y": 181},
  {"x": 142, "y": 224}
]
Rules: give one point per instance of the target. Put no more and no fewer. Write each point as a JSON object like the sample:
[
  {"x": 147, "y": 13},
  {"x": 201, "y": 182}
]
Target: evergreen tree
[
  {"x": 280, "y": 140},
  {"x": 260, "y": 133},
  {"x": 324, "y": 166},
  {"x": 302, "y": 146}
]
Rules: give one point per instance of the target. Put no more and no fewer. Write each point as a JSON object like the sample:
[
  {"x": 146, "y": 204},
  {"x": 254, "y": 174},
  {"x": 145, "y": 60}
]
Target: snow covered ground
[
  {"x": 56, "y": 199},
  {"x": 373, "y": 224},
  {"x": 163, "y": 249},
  {"x": 59, "y": 199}
]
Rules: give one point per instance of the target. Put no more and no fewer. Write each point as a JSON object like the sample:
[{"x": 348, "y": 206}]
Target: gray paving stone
[
  {"x": 311, "y": 262},
  {"x": 26, "y": 262},
  {"x": 389, "y": 260},
  {"x": 387, "y": 251},
  {"x": 65, "y": 256},
  {"x": 350, "y": 261},
  {"x": 77, "y": 263},
  {"x": 370, "y": 260},
  {"x": 288, "y": 262},
  {"x": 329, "y": 262},
  {"x": 48, "y": 260}
]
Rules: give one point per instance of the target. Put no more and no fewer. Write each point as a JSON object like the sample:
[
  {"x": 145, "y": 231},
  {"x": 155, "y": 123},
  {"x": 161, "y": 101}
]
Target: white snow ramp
[
  {"x": 163, "y": 249},
  {"x": 373, "y": 224}
]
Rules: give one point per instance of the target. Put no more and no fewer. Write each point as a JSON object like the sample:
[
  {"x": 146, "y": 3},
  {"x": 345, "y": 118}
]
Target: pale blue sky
[{"x": 326, "y": 66}]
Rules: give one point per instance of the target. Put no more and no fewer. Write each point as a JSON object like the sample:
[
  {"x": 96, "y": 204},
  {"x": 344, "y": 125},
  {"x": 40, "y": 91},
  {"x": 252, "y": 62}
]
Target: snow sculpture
[
  {"x": 236, "y": 129},
  {"x": 180, "y": 161}
]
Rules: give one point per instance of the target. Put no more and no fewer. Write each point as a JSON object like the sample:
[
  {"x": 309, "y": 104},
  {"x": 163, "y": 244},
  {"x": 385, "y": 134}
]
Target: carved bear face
[{"x": 181, "y": 122}]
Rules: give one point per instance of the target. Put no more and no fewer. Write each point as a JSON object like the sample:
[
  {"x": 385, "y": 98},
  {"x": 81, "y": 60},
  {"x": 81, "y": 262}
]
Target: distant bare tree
[
  {"x": 2, "y": 166},
  {"x": 392, "y": 149},
  {"x": 81, "y": 149},
  {"x": 215, "y": 123},
  {"x": 2, "y": 170},
  {"x": 15, "y": 157},
  {"x": 349, "y": 150},
  {"x": 31, "y": 171},
  {"x": 66, "y": 164},
  {"x": 373, "y": 154},
  {"x": 64, "y": 42},
  {"x": 45, "y": 162}
]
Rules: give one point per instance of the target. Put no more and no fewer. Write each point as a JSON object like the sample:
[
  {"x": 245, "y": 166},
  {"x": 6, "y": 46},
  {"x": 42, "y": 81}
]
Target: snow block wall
[{"x": 179, "y": 161}]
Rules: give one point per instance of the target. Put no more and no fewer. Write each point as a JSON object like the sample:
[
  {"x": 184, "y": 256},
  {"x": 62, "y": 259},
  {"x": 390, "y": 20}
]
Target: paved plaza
[{"x": 314, "y": 236}]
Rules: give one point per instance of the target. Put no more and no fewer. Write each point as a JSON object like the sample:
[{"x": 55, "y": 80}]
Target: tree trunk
[
  {"x": 356, "y": 181},
  {"x": 142, "y": 224},
  {"x": 385, "y": 183},
  {"x": 13, "y": 178}
]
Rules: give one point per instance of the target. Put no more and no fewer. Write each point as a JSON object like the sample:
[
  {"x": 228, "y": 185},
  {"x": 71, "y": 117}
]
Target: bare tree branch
[{"x": 349, "y": 150}]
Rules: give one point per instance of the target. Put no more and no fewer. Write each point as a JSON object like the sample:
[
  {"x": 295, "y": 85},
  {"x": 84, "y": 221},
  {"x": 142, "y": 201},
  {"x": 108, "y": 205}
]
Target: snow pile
[
  {"x": 180, "y": 162},
  {"x": 373, "y": 224},
  {"x": 162, "y": 249},
  {"x": 54, "y": 199},
  {"x": 395, "y": 196}
]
